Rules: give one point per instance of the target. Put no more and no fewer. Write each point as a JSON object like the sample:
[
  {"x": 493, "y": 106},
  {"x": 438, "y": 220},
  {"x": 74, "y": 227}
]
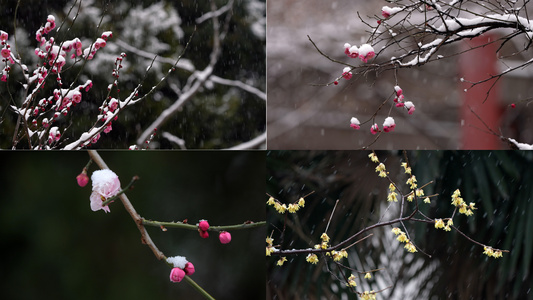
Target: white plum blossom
[{"x": 105, "y": 185}]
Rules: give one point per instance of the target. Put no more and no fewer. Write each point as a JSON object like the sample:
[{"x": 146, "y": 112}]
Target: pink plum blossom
[
  {"x": 366, "y": 52},
  {"x": 224, "y": 237},
  {"x": 189, "y": 269},
  {"x": 105, "y": 185},
  {"x": 374, "y": 129},
  {"x": 354, "y": 123},
  {"x": 386, "y": 11},
  {"x": 389, "y": 124},
  {"x": 410, "y": 107},
  {"x": 3, "y": 36},
  {"x": 398, "y": 90},
  {"x": 203, "y": 234},
  {"x": 108, "y": 128},
  {"x": 6, "y": 53},
  {"x": 351, "y": 51},
  {"x": 176, "y": 275},
  {"x": 54, "y": 134},
  {"x": 346, "y": 73}
]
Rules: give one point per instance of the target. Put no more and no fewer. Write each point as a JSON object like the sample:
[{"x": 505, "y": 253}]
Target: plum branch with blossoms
[
  {"x": 414, "y": 33},
  {"x": 404, "y": 199},
  {"x": 106, "y": 188}
]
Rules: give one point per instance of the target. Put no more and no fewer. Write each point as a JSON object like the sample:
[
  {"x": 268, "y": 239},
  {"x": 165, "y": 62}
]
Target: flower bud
[
  {"x": 224, "y": 237},
  {"x": 176, "y": 275},
  {"x": 203, "y": 234},
  {"x": 189, "y": 269},
  {"x": 204, "y": 226},
  {"x": 82, "y": 179}
]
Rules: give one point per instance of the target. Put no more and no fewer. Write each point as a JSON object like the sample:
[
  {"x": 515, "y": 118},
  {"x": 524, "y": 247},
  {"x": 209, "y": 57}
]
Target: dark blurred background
[
  {"x": 55, "y": 247},
  {"x": 499, "y": 182}
]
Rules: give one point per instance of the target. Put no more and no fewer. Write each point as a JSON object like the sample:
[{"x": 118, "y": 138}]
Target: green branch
[{"x": 182, "y": 225}]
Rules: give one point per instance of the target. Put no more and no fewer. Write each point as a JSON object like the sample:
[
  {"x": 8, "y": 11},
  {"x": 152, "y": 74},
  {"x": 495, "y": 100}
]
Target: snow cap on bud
[
  {"x": 354, "y": 123},
  {"x": 82, "y": 179},
  {"x": 410, "y": 107},
  {"x": 224, "y": 237},
  {"x": 389, "y": 124},
  {"x": 351, "y": 51},
  {"x": 204, "y": 225},
  {"x": 374, "y": 129},
  {"x": 346, "y": 73},
  {"x": 176, "y": 275},
  {"x": 366, "y": 52},
  {"x": 178, "y": 261},
  {"x": 189, "y": 269},
  {"x": 398, "y": 90}
]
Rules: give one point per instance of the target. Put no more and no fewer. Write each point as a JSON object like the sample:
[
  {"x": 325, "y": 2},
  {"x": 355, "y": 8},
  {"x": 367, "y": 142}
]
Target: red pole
[{"x": 476, "y": 65}]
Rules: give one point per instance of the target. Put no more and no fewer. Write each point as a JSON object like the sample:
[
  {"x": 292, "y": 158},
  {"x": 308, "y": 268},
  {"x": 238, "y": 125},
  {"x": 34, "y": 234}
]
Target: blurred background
[
  {"x": 500, "y": 183},
  {"x": 218, "y": 116},
  {"x": 55, "y": 247},
  {"x": 301, "y": 115}
]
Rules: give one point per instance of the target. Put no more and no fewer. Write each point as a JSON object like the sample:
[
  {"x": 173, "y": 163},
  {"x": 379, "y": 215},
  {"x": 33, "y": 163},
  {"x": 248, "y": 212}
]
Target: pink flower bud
[
  {"x": 354, "y": 123},
  {"x": 204, "y": 225},
  {"x": 189, "y": 269},
  {"x": 374, "y": 129},
  {"x": 224, "y": 237},
  {"x": 82, "y": 179},
  {"x": 203, "y": 234},
  {"x": 176, "y": 275}
]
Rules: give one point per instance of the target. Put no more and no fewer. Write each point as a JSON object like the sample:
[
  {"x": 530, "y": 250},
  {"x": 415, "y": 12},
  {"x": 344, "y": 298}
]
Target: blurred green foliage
[{"x": 55, "y": 247}]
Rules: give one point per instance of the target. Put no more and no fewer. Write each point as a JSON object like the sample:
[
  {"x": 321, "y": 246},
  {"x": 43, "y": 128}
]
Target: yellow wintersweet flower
[
  {"x": 497, "y": 254},
  {"x": 269, "y": 250},
  {"x": 439, "y": 223},
  {"x": 343, "y": 253},
  {"x": 366, "y": 295},
  {"x": 301, "y": 202},
  {"x": 383, "y": 174},
  {"x": 396, "y": 230},
  {"x": 447, "y": 228},
  {"x": 351, "y": 281},
  {"x": 312, "y": 258},
  {"x": 392, "y": 188},
  {"x": 373, "y": 157},
  {"x": 269, "y": 241},
  {"x": 411, "y": 197},
  {"x": 488, "y": 251},
  {"x": 317, "y": 246},
  {"x": 407, "y": 169},
  {"x": 280, "y": 208},
  {"x": 293, "y": 208},
  {"x": 410, "y": 247},
  {"x": 469, "y": 212},
  {"x": 412, "y": 181},
  {"x": 324, "y": 237},
  {"x": 450, "y": 222},
  {"x": 427, "y": 200},
  {"x": 419, "y": 193},
  {"x": 380, "y": 167},
  {"x": 402, "y": 238},
  {"x": 281, "y": 261},
  {"x": 324, "y": 245},
  {"x": 271, "y": 201},
  {"x": 472, "y": 205},
  {"x": 392, "y": 197},
  {"x": 368, "y": 276},
  {"x": 337, "y": 256}
]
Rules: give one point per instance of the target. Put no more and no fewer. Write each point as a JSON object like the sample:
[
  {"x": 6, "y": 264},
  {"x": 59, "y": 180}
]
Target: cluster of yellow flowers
[
  {"x": 366, "y": 295},
  {"x": 337, "y": 255},
  {"x": 492, "y": 253},
  {"x": 381, "y": 167},
  {"x": 269, "y": 249},
  {"x": 402, "y": 237},
  {"x": 351, "y": 281},
  {"x": 282, "y": 208},
  {"x": 392, "y": 197},
  {"x": 312, "y": 258},
  {"x": 439, "y": 223},
  {"x": 459, "y": 202}
]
